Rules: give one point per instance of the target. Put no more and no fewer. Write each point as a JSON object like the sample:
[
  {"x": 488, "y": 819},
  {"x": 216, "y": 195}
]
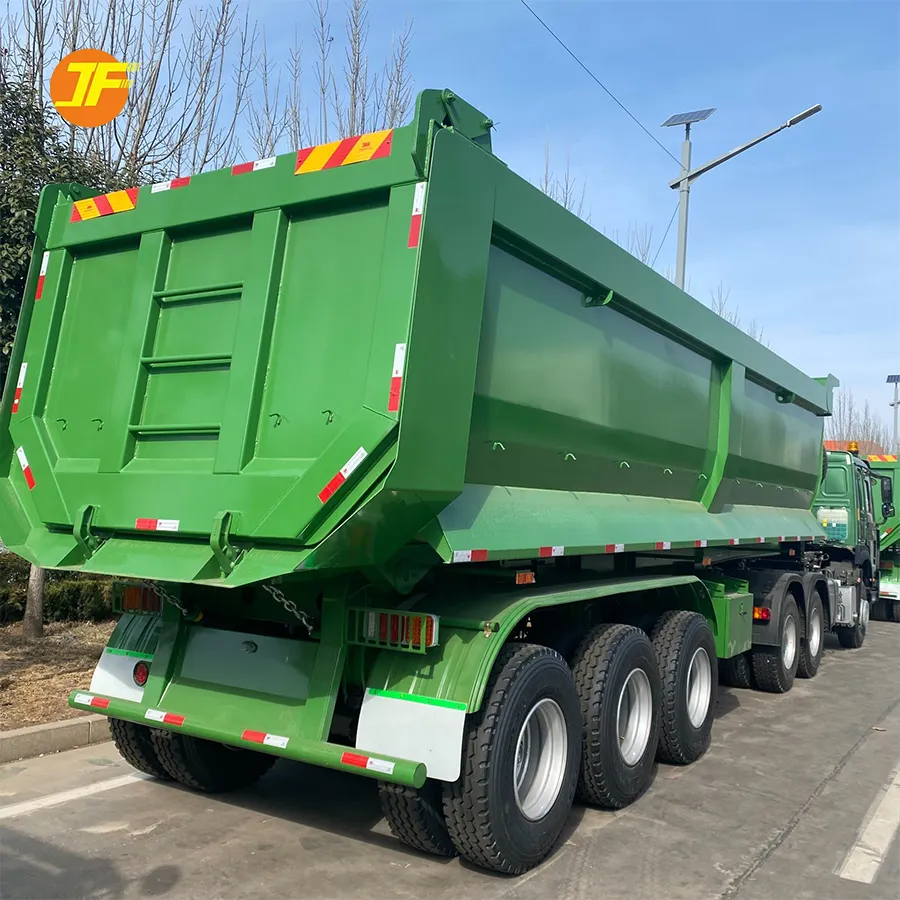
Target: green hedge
[{"x": 68, "y": 596}]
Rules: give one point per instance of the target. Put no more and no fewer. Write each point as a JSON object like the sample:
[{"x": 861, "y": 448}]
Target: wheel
[
  {"x": 852, "y": 637},
  {"x": 813, "y": 641},
  {"x": 135, "y": 746},
  {"x": 737, "y": 671},
  {"x": 686, "y": 652},
  {"x": 208, "y": 765},
  {"x": 416, "y": 817},
  {"x": 520, "y": 763},
  {"x": 881, "y": 611},
  {"x": 774, "y": 668},
  {"x": 617, "y": 677},
  {"x": 895, "y": 614}
]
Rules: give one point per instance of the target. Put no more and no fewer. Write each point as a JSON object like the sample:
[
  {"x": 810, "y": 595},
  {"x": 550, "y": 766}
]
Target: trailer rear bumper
[{"x": 318, "y": 753}]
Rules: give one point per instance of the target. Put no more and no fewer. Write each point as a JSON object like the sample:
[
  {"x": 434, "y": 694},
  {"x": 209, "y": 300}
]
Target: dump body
[{"x": 310, "y": 362}]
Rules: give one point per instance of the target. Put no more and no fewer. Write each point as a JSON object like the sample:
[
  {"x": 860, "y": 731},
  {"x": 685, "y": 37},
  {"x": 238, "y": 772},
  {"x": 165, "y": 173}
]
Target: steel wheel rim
[
  {"x": 540, "y": 761},
  {"x": 634, "y": 717},
  {"x": 788, "y": 642},
  {"x": 699, "y": 687},
  {"x": 864, "y": 612},
  {"x": 815, "y": 633}
]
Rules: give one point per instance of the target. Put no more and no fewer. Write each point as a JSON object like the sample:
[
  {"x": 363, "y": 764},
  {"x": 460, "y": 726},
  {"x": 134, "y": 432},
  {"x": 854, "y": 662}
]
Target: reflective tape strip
[
  {"x": 157, "y": 524},
  {"x": 170, "y": 185},
  {"x": 40, "y": 285},
  {"x": 350, "y": 150},
  {"x": 469, "y": 556},
  {"x": 26, "y": 468},
  {"x": 663, "y": 545},
  {"x": 269, "y": 740},
  {"x": 91, "y": 700},
  {"x": 255, "y": 166},
  {"x": 397, "y": 378},
  {"x": 760, "y": 540},
  {"x": 415, "y": 223},
  {"x": 699, "y": 543},
  {"x": 20, "y": 383},
  {"x": 346, "y": 471},
  {"x": 552, "y": 551},
  {"x": 734, "y": 541},
  {"x": 615, "y": 548},
  {"x": 104, "y": 205},
  {"x": 367, "y": 762},
  {"x": 157, "y": 715}
]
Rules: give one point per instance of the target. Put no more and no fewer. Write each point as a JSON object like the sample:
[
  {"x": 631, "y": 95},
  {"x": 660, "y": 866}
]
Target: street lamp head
[
  {"x": 794, "y": 120},
  {"x": 689, "y": 118}
]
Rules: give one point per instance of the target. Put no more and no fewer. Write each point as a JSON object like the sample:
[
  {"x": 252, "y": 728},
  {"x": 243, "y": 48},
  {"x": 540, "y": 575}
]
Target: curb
[{"x": 52, "y": 737}]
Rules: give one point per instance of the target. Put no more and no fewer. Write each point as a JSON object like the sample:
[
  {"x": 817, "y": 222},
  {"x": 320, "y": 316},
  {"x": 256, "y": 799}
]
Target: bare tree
[
  {"x": 564, "y": 189},
  {"x": 719, "y": 305},
  {"x": 850, "y": 423}
]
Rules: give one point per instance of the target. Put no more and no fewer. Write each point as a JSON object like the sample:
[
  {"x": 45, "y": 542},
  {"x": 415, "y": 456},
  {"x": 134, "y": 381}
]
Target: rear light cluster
[
  {"x": 415, "y": 630},
  {"x": 762, "y": 613},
  {"x": 141, "y": 673},
  {"x": 139, "y": 599}
]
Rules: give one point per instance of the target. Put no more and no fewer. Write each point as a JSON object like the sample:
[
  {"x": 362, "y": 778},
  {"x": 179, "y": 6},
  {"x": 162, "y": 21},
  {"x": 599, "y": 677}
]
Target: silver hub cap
[
  {"x": 788, "y": 642},
  {"x": 540, "y": 765},
  {"x": 815, "y": 633},
  {"x": 699, "y": 687},
  {"x": 864, "y": 612},
  {"x": 634, "y": 717}
]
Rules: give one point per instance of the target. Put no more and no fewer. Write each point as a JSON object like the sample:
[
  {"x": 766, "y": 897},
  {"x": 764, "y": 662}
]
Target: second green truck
[{"x": 408, "y": 472}]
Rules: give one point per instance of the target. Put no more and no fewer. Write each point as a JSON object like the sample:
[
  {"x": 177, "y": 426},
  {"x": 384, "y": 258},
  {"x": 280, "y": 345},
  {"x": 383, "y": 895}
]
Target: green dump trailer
[
  {"x": 406, "y": 471},
  {"x": 888, "y": 606}
]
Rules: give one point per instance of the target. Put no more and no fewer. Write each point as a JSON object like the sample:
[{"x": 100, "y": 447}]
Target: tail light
[{"x": 141, "y": 673}]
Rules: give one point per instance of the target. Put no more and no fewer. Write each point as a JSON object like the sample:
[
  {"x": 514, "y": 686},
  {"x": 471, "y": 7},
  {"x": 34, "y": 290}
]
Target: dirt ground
[{"x": 37, "y": 676}]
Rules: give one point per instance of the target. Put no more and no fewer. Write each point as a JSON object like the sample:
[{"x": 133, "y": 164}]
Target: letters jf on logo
[{"x": 90, "y": 87}]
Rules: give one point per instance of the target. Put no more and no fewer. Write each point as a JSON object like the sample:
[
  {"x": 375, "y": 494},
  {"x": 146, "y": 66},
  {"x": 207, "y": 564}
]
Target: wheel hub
[
  {"x": 634, "y": 717},
  {"x": 815, "y": 633},
  {"x": 699, "y": 687},
  {"x": 788, "y": 642},
  {"x": 540, "y": 760}
]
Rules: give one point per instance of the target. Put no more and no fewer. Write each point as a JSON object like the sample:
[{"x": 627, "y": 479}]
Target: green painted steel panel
[{"x": 554, "y": 390}]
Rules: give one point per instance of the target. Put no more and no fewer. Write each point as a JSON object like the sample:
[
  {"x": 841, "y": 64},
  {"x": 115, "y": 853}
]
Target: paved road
[{"x": 794, "y": 792}]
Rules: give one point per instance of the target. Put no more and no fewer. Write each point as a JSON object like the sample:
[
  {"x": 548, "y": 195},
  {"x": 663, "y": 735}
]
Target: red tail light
[{"x": 141, "y": 673}]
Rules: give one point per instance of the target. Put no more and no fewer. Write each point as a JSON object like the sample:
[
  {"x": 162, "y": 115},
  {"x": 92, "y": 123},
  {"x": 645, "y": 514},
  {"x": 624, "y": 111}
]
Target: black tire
[
  {"x": 895, "y": 612},
  {"x": 881, "y": 611},
  {"x": 678, "y": 637},
  {"x": 207, "y": 765},
  {"x": 483, "y": 817},
  {"x": 769, "y": 667},
  {"x": 811, "y": 656},
  {"x": 416, "y": 817},
  {"x": 135, "y": 746},
  {"x": 602, "y": 664},
  {"x": 736, "y": 671}
]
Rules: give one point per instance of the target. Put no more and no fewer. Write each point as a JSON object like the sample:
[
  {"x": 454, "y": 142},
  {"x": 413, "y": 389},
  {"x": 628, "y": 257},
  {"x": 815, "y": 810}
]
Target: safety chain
[
  {"x": 163, "y": 595},
  {"x": 290, "y": 606}
]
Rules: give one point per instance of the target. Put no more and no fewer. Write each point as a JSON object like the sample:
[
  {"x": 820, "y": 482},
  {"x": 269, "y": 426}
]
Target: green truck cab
[
  {"x": 887, "y": 466},
  {"x": 406, "y": 471}
]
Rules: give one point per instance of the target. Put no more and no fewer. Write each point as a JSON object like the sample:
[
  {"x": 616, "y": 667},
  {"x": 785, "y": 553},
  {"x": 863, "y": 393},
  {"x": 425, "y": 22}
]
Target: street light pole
[
  {"x": 688, "y": 175},
  {"x": 895, "y": 380},
  {"x": 684, "y": 196}
]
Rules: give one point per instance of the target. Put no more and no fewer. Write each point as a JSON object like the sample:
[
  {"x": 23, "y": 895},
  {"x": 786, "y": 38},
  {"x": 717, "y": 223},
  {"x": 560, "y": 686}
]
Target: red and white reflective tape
[
  {"x": 552, "y": 551},
  {"x": 347, "y": 470},
  {"x": 397, "y": 378},
  {"x": 242, "y": 168},
  {"x": 40, "y": 285},
  {"x": 157, "y": 524},
  {"x": 760, "y": 540},
  {"x": 20, "y": 383},
  {"x": 184, "y": 181},
  {"x": 469, "y": 555},
  {"x": 699, "y": 543},
  {"x": 367, "y": 762},
  {"x": 26, "y": 469},
  {"x": 415, "y": 223},
  {"x": 615, "y": 548},
  {"x": 269, "y": 740},
  {"x": 734, "y": 541},
  {"x": 663, "y": 545},
  {"x": 157, "y": 715},
  {"x": 91, "y": 700}
]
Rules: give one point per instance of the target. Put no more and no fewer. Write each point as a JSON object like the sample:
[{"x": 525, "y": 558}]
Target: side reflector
[
  {"x": 524, "y": 577},
  {"x": 367, "y": 762},
  {"x": 762, "y": 613},
  {"x": 401, "y": 629}
]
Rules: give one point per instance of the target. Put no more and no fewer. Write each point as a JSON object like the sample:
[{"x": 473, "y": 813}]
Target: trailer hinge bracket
[
  {"x": 84, "y": 537},
  {"x": 604, "y": 298},
  {"x": 226, "y": 555}
]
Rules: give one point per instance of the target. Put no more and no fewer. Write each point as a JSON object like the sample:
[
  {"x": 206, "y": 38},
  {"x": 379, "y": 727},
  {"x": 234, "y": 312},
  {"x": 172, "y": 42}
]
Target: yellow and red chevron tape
[
  {"x": 104, "y": 205},
  {"x": 350, "y": 150},
  {"x": 884, "y": 457}
]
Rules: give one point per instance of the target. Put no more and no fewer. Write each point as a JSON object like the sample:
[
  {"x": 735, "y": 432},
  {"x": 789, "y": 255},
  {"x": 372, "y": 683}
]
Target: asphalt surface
[{"x": 794, "y": 800}]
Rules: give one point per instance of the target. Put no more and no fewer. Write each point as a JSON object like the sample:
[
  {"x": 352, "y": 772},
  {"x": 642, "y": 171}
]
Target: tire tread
[{"x": 135, "y": 745}]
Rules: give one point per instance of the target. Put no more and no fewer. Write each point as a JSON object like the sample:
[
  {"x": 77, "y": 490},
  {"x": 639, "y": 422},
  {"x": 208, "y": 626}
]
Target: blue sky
[{"x": 804, "y": 230}]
